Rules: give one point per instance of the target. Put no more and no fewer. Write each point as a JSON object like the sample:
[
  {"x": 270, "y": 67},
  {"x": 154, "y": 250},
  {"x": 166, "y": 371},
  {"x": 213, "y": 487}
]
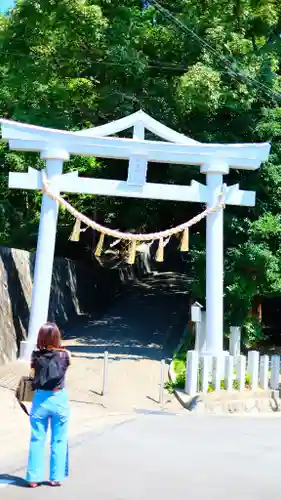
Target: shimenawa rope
[{"x": 132, "y": 237}]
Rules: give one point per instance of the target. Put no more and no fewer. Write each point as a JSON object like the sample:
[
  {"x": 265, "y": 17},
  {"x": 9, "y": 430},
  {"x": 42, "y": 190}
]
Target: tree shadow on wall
[{"x": 19, "y": 305}]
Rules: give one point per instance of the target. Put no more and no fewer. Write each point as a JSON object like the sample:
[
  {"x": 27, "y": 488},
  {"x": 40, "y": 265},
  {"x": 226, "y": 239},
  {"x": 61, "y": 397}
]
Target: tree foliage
[{"x": 208, "y": 68}]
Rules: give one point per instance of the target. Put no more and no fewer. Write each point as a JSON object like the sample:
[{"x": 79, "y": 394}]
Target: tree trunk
[{"x": 257, "y": 308}]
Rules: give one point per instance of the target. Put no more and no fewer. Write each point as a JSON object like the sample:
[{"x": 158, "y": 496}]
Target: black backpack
[{"x": 49, "y": 369}]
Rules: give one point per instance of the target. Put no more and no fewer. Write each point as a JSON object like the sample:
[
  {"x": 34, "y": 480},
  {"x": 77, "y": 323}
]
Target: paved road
[{"x": 165, "y": 456}]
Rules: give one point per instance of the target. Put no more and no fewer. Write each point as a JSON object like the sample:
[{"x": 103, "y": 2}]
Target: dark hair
[{"x": 49, "y": 336}]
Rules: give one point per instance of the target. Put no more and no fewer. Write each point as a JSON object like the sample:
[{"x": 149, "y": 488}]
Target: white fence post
[
  {"x": 191, "y": 373},
  {"x": 235, "y": 341},
  {"x": 200, "y": 339},
  {"x": 253, "y": 368},
  {"x": 204, "y": 373},
  {"x": 24, "y": 345},
  {"x": 162, "y": 380},
  {"x": 105, "y": 374},
  {"x": 264, "y": 371},
  {"x": 275, "y": 372},
  {"x": 197, "y": 335},
  {"x": 228, "y": 373},
  {"x": 217, "y": 372},
  {"x": 241, "y": 372}
]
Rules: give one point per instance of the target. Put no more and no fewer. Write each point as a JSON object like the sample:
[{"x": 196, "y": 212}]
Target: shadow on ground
[
  {"x": 7, "y": 479},
  {"x": 146, "y": 323}
]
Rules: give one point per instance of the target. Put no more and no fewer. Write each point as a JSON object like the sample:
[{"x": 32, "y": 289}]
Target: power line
[
  {"x": 160, "y": 65},
  {"x": 232, "y": 71}
]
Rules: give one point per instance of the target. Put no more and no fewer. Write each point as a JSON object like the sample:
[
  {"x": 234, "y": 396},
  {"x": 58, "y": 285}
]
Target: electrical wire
[{"x": 232, "y": 71}]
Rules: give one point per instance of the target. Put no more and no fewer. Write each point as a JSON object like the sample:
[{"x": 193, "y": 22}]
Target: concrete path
[
  {"x": 170, "y": 456},
  {"x": 138, "y": 332}
]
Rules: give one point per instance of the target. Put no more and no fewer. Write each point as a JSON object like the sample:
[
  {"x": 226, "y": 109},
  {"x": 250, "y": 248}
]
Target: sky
[{"x": 6, "y": 4}]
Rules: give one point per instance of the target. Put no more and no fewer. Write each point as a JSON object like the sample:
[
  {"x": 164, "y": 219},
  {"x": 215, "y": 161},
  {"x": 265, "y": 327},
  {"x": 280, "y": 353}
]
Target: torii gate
[{"x": 56, "y": 146}]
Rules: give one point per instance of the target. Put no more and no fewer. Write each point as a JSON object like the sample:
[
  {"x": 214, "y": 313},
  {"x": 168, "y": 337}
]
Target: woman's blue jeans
[{"x": 53, "y": 407}]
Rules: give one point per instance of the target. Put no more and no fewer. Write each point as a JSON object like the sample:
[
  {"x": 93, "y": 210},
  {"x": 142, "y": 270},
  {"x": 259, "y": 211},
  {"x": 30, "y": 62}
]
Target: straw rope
[{"x": 133, "y": 237}]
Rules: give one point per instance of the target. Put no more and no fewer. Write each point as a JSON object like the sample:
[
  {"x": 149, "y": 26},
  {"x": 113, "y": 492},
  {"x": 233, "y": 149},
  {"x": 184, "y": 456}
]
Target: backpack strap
[{"x": 22, "y": 405}]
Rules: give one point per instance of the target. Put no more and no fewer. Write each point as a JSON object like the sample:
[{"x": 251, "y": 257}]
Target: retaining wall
[{"x": 76, "y": 289}]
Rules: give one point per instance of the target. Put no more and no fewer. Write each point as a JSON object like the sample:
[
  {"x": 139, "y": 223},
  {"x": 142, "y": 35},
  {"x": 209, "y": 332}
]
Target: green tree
[{"x": 208, "y": 68}]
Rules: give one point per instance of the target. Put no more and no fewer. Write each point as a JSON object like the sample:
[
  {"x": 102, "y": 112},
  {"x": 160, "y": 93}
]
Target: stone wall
[
  {"x": 77, "y": 288},
  {"x": 16, "y": 270}
]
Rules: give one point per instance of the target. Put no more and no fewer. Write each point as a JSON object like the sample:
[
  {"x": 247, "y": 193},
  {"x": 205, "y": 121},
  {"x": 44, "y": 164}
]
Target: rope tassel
[
  {"x": 132, "y": 252},
  {"x": 99, "y": 246},
  {"x": 75, "y": 235},
  {"x": 160, "y": 251},
  {"x": 185, "y": 241}
]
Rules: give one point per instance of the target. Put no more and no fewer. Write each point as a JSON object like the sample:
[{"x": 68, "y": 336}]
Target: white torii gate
[{"x": 56, "y": 146}]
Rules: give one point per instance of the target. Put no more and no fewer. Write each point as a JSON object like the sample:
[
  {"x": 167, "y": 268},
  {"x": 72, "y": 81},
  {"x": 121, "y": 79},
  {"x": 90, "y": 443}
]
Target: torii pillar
[
  {"x": 45, "y": 252},
  {"x": 214, "y": 258}
]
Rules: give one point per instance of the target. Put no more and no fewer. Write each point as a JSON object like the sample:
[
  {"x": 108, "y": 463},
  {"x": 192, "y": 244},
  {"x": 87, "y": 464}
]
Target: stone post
[
  {"x": 217, "y": 372},
  {"x": 235, "y": 341},
  {"x": 241, "y": 372},
  {"x": 264, "y": 372},
  {"x": 275, "y": 372},
  {"x": 200, "y": 337},
  {"x": 191, "y": 373},
  {"x": 204, "y": 373},
  {"x": 229, "y": 373},
  {"x": 253, "y": 369}
]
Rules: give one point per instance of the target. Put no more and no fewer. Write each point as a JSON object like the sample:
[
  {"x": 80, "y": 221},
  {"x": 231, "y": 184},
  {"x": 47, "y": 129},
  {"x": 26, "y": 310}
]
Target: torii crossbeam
[{"x": 214, "y": 160}]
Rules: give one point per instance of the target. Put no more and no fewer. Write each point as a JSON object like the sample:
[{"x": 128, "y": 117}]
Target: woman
[{"x": 50, "y": 405}]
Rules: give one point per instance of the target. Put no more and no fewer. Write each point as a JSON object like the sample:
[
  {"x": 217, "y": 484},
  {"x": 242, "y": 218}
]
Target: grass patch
[{"x": 179, "y": 366}]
